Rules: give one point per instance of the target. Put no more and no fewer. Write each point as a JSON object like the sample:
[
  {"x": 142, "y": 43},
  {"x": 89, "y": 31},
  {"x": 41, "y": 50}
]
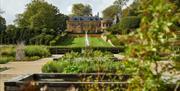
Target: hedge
[{"x": 62, "y": 50}]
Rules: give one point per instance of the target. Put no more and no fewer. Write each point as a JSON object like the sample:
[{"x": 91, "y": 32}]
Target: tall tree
[
  {"x": 81, "y": 10},
  {"x": 2, "y": 24},
  {"x": 120, "y": 4},
  {"x": 110, "y": 11},
  {"x": 40, "y": 14}
]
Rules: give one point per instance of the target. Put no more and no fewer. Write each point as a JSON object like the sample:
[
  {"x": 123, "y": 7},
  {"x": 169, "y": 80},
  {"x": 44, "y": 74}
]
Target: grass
[{"x": 80, "y": 42}]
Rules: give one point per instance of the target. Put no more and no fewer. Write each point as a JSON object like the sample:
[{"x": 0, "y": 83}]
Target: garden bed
[
  {"x": 63, "y": 82},
  {"x": 72, "y": 82}
]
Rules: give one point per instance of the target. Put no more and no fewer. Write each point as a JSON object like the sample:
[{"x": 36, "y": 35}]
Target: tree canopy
[
  {"x": 2, "y": 24},
  {"x": 120, "y": 4},
  {"x": 81, "y": 10},
  {"x": 110, "y": 11},
  {"x": 114, "y": 9},
  {"x": 40, "y": 14}
]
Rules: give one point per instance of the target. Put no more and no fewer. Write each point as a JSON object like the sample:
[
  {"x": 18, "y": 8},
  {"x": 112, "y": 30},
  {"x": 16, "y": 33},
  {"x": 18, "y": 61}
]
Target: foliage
[
  {"x": 58, "y": 39},
  {"x": 115, "y": 41},
  {"x": 13, "y": 34},
  {"x": 131, "y": 10},
  {"x": 110, "y": 11},
  {"x": 41, "y": 39},
  {"x": 120, "y": 4},
  {"x": 40, "y": 23},
  {"x": 129, "y": 22},
  {"x": 81, "y": 10},
  {"x": 2, "y": 24},
  {"x": 39, "y": 14},
  {"x": 118, "y": 8},
  {"x": 33, "y": 58},
  {"x": 125, "y": 25},
  {"x": 7, "y": 51},
  {"x": 87, "y": 62},
  {"x": 152, "y": 39},
  {"x": 4, "y": 60},
  {"x": 40, "y": 51}
]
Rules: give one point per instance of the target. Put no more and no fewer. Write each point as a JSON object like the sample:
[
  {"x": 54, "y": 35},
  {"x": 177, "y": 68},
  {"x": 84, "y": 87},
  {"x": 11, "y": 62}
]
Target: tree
[
  {"x": 110, "y": 11},
  {"x": 120, "y": 4},
  {"x": 150, "y": 43},
  {"x": 39, "y": 14},
  {"x": 81, "y": 10},
  {"x": 2, "y": 24},
  {"x": 2, "y": 28}
]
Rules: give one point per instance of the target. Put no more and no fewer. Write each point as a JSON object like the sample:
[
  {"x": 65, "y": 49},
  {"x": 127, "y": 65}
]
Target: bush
[
  {"x": 7, "y": 51},
  {"x": 33, "y": 58},
  {"x": 4, "y": 60},
  {"x": 40, "y": 51}
]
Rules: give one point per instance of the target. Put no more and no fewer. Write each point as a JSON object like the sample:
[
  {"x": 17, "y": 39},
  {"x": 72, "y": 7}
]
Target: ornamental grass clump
[{"x": 40, "y": 51}]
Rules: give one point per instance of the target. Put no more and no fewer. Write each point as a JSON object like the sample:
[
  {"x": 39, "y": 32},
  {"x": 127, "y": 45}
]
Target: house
[{"x": 91, "y": 24}]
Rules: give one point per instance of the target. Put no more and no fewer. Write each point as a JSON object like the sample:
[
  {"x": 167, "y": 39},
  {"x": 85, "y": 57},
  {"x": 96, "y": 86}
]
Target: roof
[{"x": 85, "y": 18}]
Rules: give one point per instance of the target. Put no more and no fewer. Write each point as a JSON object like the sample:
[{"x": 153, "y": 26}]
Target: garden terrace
[{"x": 64, "y": 82}]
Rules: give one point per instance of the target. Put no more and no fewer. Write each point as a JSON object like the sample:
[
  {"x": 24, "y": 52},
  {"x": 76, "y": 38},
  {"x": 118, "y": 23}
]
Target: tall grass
[{"x": 40, "y": 51}]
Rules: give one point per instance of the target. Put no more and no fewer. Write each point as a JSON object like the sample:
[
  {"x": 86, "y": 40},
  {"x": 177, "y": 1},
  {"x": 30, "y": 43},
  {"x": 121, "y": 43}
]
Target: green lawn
[{"x": 80, "y": 42}]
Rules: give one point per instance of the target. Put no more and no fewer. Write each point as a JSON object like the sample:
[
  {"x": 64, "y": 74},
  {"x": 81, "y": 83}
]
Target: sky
[{"x": 13, "y": 7}]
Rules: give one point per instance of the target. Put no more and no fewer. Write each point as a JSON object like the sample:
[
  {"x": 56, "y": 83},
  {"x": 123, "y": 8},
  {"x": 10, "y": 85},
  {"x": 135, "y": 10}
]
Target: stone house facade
[{"x": 91, "y": 24}]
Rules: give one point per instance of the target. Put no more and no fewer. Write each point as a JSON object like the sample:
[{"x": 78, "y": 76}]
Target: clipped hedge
[
  {"x": 63, "y": 50},
  {"x": 40, "y": 51}
]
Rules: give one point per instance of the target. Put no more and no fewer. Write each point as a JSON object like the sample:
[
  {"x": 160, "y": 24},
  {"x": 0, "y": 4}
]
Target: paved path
[{"x": 20, "y": 68}]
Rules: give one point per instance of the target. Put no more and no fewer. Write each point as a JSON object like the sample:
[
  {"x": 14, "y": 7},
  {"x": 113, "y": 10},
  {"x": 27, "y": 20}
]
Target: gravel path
[{"x": 20, "y": 68}]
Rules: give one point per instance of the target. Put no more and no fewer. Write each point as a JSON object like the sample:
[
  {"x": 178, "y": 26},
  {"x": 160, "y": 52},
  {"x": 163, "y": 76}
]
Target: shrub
[
  {"x": 4, "y": 60},
  {"x": 33, "y": 58},
  {"x": 7, "y": 51},
  {"x": 40, "y": 51}
]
